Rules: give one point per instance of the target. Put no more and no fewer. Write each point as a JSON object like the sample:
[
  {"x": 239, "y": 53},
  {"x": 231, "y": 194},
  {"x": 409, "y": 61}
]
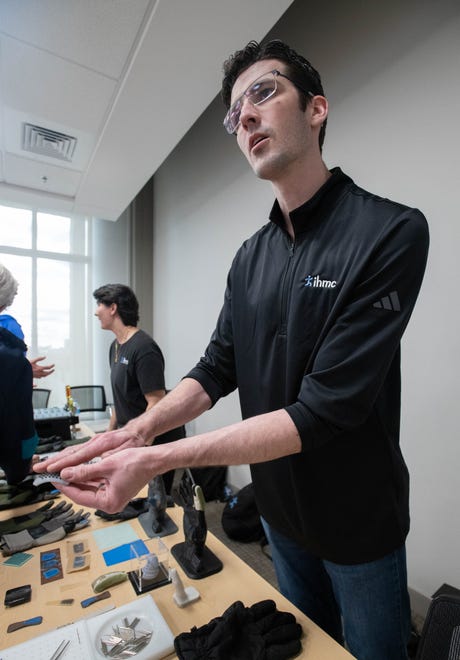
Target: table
[{"x": 237, "y": 581}]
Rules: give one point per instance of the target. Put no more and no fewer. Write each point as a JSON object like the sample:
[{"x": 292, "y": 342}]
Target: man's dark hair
[
  {"x": 123, "y": 297},
  {"x": 299, "y": 70}
]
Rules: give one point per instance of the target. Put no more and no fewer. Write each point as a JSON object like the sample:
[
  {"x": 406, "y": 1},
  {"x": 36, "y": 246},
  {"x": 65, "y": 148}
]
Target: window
[{"x": 49, "y": 255}]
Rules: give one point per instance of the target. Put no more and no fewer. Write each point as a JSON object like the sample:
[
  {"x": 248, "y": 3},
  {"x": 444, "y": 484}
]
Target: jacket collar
[
  {"x": 9, "y": 340},
  {"x": 317, "y": 207}
]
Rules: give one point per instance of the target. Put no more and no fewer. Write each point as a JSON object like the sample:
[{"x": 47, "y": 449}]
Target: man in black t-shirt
[
  {"x": 136, "y": 374},
  {"x": 136, "y": 361}
]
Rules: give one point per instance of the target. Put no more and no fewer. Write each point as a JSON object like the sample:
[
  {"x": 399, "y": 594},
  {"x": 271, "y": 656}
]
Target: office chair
[
  {"x": 440, "y": 639},
  {"x": 40, "y": 397},
  {"x": 89, "y": 397}
]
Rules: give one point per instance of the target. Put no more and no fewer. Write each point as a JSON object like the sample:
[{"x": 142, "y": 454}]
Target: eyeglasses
[{"x": 259, "y": 91}]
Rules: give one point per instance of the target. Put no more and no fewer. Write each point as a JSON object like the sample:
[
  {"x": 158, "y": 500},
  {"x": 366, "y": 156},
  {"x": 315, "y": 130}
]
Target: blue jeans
[{"x": 365, "y": 605}]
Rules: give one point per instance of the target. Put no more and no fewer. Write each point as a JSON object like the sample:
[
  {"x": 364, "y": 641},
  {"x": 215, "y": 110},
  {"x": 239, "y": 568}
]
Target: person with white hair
[
  {"x": 8, "y": 291},
  {"x": 18, "y": 438}
]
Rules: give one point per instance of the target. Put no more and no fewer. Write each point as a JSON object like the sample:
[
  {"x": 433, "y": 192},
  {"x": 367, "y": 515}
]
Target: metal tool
[
  {"x": 60, "y": 649},
  {"x": 125, "y": 641}
]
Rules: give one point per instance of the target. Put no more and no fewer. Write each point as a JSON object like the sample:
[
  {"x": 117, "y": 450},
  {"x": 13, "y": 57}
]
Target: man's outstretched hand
[
  {"x": 100, "y": 445},
  {"x": 108, "y": 484}
]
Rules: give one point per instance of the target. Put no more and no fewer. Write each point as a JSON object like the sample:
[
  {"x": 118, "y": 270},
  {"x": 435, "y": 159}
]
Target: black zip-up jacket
[
  {"x": 314, "y": 326},
  {"x": 18, "y": 438}
]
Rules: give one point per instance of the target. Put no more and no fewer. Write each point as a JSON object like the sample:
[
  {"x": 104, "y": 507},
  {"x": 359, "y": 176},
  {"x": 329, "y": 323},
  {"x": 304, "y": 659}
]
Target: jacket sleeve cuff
[
  {"x": 312, "y": 431},
  {"x": 207, "y": 382}
]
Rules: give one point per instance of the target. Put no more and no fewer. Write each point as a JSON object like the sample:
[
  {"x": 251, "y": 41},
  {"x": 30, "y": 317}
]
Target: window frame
[{"x": 80, "y": 232}]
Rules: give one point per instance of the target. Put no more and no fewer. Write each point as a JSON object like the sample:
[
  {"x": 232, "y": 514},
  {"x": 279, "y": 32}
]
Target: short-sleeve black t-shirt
[{"x": 138, "y": 369}]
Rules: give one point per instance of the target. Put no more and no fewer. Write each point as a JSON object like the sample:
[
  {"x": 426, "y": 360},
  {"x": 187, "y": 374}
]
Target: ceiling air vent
[{"x": 48, "y": 143}]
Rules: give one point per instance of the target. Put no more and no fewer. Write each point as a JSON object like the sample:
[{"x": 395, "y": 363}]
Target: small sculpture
[
  {"x": 192, "y": 555},
  {"x": 155, "y": 521},
  {"x": 182, "y": 596},
  {"x": 151, "y": 568}
]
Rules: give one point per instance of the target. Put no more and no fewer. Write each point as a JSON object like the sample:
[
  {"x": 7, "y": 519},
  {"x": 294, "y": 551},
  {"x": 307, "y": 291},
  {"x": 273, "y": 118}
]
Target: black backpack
[{"x": 241, "y": 519}]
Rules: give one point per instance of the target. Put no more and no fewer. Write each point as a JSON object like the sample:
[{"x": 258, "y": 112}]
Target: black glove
[
  {"x": 25, "y": 493},
  {"x": 133, "y": 509},
  {"x": 259, "y": 632},
  {"x": 34, "y": 518},
  {"x": 49, "y": 531},
  {"x": 46, "y": 448}
]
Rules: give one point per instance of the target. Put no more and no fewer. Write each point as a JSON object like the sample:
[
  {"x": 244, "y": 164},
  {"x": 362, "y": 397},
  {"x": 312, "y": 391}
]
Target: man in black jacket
[{"x": 315, "y": 307}]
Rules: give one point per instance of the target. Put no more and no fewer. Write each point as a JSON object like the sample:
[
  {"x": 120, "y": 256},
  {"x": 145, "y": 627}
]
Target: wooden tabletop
[{"x": 236, "y": 581}]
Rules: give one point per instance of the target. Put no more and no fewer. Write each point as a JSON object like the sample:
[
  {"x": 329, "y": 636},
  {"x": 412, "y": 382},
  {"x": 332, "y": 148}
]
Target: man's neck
[{"x": 297, "y": 190}]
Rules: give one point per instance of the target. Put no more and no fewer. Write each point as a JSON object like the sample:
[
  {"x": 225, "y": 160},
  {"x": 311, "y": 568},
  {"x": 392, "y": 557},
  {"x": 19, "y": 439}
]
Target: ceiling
[{"x": 94, "y": 94}]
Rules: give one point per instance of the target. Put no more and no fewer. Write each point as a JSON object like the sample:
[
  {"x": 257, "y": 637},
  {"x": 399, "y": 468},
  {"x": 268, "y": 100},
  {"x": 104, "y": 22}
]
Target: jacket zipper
[{"x": 286, "y": 290}]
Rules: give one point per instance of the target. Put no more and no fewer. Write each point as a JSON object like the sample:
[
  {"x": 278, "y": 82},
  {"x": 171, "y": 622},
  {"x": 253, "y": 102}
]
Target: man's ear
[
  {"x": 318, "y": 110},
  {"x": 113, "y": 309}
]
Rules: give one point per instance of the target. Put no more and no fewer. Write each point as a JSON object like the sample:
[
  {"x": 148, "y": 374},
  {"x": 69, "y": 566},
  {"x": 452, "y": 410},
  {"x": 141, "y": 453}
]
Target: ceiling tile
[
  {"x": 56, "y": 90},
  {"x": 25, "y": 172},
  {"x": 97, "y": 34},
  {"x": 126, "y": 78}
]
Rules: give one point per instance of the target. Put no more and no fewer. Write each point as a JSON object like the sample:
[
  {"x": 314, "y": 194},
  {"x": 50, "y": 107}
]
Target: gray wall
[
  {"x": 391, "y": 72},
  {"x": 112, "y": 247},
  {"x": 123, "y": 252}
]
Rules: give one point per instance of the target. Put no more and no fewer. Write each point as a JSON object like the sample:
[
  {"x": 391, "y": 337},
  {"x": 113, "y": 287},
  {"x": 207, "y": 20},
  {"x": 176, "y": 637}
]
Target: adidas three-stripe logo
[{"x": 390, "y": 302}]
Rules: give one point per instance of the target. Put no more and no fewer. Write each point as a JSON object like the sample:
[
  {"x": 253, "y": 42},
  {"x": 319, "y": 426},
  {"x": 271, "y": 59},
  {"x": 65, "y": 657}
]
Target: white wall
[
  {"x": 111, "y": 247},
  {"x": 390, "y": 71}
]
